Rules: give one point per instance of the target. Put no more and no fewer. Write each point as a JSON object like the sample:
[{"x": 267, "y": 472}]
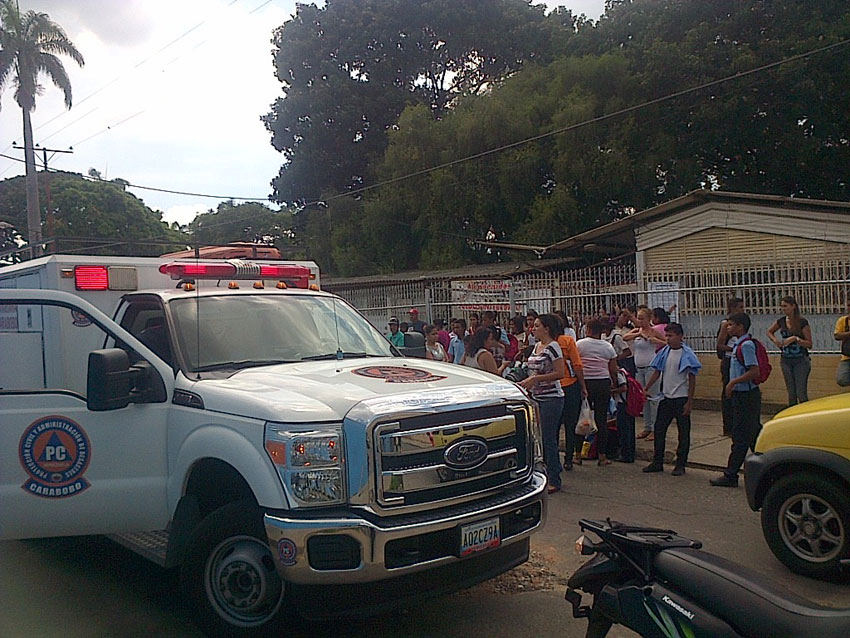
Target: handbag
[
  {"x": 586, "y": 424},
  {"x": 845, "y": 345}
]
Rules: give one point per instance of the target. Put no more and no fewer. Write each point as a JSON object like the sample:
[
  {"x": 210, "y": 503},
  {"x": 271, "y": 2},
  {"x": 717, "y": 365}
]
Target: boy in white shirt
[{"x": 678, "y": 366}]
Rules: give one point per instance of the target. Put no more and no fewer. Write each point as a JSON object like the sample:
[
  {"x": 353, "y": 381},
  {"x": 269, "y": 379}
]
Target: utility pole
[{"x": 36, "y": 250}]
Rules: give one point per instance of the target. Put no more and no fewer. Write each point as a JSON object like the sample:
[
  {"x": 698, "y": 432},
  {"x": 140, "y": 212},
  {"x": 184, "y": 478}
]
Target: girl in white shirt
[{"x": 433, "y": 348}]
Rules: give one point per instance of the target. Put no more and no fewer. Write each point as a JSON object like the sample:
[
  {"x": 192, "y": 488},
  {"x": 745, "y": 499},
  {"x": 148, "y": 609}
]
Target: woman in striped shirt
[{"x": 546, "y": 367}]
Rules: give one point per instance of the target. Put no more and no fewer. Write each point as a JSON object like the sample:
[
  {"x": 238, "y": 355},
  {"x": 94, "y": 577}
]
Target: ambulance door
[{"x": 65, "y": 469}]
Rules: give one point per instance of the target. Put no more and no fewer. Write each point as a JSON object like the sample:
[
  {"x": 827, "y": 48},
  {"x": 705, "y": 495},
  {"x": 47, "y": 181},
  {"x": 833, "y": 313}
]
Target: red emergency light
[
  {"x": 91, "y": 278},
  {"x": 298, "y": 276}
]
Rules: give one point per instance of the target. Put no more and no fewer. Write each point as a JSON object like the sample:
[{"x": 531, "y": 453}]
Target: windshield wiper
[
  {"x": 240, "y": 365},
  {"x": 344, "y": 355}
]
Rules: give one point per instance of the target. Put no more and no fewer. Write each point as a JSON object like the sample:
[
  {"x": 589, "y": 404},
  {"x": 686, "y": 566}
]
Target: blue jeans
[
  {"x": 796, "y": 372},
  {"x": 550, "y": 425},
  {"x": 625, "y": 434},
  {"x": 650, "y": 408},
  {"x": 572, "y": 408},
  {"x": 842, "y": 375}
]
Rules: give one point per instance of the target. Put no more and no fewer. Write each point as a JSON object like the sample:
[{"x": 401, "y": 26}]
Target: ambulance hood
[{"x": 325, "y": 391}]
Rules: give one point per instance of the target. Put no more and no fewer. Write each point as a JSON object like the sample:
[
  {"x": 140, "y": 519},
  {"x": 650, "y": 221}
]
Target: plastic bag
[{"x": 586, "y": 424}]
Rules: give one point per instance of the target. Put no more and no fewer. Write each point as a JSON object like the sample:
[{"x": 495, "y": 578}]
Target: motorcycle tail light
[{"x": 584, "y": 546}]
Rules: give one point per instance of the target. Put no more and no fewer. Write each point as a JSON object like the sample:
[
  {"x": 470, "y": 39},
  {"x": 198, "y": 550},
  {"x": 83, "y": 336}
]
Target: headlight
[
  {"x": 536, "y": 433},
  {"x": 309, "y": 462}
]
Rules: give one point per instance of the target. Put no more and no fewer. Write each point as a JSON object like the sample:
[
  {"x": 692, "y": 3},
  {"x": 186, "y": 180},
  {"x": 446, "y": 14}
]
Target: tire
[
  {"x": 806, "y": 523},
  {"x": 228, "y": 575}
]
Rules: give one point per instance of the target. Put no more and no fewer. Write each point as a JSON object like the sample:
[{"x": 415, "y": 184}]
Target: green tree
[
  {"x": 29, "y": 46},
  {"x": 535, "y": 193},
  {"x": 349, "y": 69},
  {"x": 249, "y": 221},
  {"x": 93, "y": 217},
  {"x": 781, "y": 131},
  {"x": 10, "y": 242}
]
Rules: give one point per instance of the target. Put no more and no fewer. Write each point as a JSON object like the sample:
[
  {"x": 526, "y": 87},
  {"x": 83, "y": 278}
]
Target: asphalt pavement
[{"x": 89, "y": 587}]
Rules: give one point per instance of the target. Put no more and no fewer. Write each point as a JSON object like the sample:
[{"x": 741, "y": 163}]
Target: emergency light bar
[{"x": 298, "y": 276}]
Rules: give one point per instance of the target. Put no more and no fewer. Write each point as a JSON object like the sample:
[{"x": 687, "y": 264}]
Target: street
[{"x": 82, "y": 587}]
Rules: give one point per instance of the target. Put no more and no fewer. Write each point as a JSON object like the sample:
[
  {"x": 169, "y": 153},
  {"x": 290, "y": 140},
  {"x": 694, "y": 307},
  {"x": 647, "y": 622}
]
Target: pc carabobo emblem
[
  {"x": 55, "y": 452},
  {"x": 465, "y": 454}
]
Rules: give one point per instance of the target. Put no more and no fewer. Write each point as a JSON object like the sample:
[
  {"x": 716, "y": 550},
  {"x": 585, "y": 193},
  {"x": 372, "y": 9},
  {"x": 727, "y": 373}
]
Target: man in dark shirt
[{"x": 414, "y": 322}]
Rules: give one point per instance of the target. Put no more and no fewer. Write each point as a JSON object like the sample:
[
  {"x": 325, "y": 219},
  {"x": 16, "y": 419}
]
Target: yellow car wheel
[{"x": 806, "y": 523}]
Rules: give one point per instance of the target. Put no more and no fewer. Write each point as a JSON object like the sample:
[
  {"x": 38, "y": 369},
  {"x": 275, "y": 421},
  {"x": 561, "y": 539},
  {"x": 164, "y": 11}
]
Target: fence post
[
  {"x": 428, "y": 304},
  {"x": 512, "y": 297}
]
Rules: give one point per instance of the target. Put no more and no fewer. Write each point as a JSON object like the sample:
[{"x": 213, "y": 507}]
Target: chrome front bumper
[{"x": 288, "y": 536}]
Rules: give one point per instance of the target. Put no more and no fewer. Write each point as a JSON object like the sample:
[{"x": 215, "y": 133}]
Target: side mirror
[
  {"x": 113, "y": 383},
  {"x": 108, "y": 383},
  {"x": 414, "y": 345}
]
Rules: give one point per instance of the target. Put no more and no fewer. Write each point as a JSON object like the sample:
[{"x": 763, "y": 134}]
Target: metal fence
[{"x": 699, "y": 296}]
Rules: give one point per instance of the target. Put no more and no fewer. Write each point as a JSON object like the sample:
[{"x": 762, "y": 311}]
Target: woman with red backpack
[{"x": 630, "y": 401}]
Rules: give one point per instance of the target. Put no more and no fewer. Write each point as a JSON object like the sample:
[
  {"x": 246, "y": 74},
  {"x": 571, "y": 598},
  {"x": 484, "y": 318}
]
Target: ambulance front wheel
[{"x": 229, "y": 578}]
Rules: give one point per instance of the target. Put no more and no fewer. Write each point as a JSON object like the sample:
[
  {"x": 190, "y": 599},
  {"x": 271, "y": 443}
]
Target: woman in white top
[
  {"x": 478, "y": 353},
  {"x": 644, "y": 340},
  {"x": 599, "y": 361},
  {"x": 433, "y": 348}
]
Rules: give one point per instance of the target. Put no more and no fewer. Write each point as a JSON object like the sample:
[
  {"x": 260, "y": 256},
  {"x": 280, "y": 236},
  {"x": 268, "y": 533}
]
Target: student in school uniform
[{"x": 677, "y": 366}]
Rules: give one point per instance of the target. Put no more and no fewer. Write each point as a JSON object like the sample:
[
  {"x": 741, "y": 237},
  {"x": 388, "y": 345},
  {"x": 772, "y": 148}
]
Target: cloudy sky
[{"x": 170, "y": 96}]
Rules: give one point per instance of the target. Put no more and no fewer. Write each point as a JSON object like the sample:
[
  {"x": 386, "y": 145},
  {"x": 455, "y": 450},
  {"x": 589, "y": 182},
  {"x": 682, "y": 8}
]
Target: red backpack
[
  {"x": 761, "y": 356},
  {"x": 513, "y": 349},
  {"x": 635, "y": 399}
]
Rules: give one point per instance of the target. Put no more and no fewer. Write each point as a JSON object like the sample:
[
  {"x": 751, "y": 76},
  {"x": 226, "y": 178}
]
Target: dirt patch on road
[{"x": 533, "y": 575}]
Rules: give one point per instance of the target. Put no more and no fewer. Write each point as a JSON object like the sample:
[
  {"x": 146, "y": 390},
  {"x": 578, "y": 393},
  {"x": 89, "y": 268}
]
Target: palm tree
[{"x": 29, "y": 45}]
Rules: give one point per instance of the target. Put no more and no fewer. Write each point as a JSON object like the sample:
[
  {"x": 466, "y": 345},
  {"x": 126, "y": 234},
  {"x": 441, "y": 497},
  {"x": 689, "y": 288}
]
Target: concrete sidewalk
[{"x": 709, "y": 448}]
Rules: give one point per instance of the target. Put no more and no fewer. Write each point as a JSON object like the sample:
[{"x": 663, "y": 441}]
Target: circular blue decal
[
  {"x": 55, "y": 452},
  {"x": 286, "y": 551}
]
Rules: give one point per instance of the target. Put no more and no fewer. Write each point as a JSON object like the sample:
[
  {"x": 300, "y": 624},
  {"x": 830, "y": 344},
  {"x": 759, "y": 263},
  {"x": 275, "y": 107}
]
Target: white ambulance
[{"x": 230, "y": 419}]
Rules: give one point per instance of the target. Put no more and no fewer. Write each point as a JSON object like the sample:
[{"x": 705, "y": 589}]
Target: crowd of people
[{"x": 609, "y": 368}]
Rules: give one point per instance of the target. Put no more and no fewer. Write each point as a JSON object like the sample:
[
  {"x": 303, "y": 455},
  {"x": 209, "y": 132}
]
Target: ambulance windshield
[{"x": 240, "y": 331}]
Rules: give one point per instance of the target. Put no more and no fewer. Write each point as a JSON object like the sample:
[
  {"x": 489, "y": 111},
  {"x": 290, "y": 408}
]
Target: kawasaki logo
[{"x": 678, "y": 607}]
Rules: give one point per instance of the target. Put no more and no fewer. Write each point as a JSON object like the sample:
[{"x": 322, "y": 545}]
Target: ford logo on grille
[{"x": 465, "y": 454}]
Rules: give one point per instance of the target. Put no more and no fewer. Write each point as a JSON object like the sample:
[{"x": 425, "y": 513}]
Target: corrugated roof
[
  {"x": 620, "y": 232},
  {"x": 615, "y": 239}
]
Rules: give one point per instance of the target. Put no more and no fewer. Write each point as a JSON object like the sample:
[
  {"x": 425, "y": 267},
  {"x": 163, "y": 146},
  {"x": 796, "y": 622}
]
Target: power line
[
  {"x": 108, "y": 128},
  {"x": 136, "y": 66},
  {"x": 518, "y": 143},
  {"x": 572, "y": 127},
  {"x": 152, "y": 188},
  {"x": 117, "y": 78},
  {"x": 142, "y": 63},
  {"x": 71, "y": 123},
  {"x": 595, "y": 120}
]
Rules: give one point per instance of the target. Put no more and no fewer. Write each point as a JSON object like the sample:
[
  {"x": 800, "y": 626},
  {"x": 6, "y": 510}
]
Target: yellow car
[{"x": 799, "y": 477}]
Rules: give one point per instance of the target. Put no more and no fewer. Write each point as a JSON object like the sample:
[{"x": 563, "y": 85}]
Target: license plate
[{"x": 479, "y": 536}]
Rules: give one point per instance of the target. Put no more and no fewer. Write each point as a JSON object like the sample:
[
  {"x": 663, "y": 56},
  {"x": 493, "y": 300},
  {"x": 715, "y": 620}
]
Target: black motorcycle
[{"x": 660, "y": 584}]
